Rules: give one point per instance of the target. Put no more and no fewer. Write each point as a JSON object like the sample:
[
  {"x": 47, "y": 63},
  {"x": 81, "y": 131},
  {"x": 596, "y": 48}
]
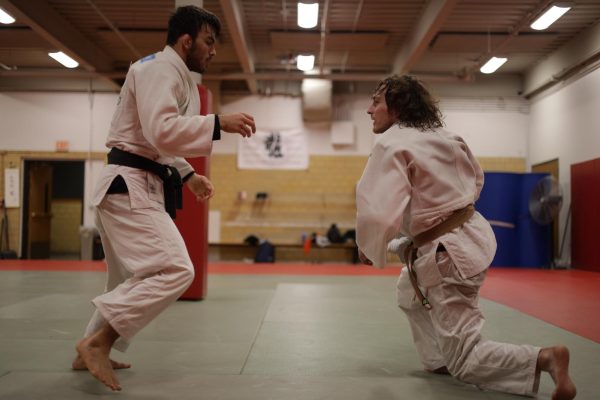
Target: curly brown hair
[{"x": 411, "y": 102}]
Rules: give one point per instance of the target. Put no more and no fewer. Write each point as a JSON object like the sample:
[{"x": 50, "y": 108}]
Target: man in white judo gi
[
  {"x": 420, "y": 184},
  {"x": 155, "y": 125}
]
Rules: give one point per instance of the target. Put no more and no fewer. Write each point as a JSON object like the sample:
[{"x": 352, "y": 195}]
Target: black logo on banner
[{"x": 273, "y": 145}]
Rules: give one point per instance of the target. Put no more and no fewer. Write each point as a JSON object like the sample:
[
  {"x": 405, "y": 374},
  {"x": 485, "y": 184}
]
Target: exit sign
[{"x": 62, "y": 145}]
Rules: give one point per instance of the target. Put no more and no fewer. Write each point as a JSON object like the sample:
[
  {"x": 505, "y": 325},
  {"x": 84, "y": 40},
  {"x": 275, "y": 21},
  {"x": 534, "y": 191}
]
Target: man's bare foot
[
  {"x": 555, "y": 361},
  {"x": 94, "y": 351},
  {"x": 79, "y": 365}
]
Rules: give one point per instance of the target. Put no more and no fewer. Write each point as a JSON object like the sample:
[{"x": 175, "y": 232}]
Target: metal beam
[
  {"x": 237, "y": 30},
  {"x": 116, "y": 30},
  {"x": 429, "y": 24},
  {"x": 576, "y": 56},
  {"x": 57, "y": 31}
]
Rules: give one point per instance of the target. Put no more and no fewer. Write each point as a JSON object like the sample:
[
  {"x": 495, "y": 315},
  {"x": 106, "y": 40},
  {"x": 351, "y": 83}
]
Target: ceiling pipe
[
  {"x": 354, "y": 28},
  {"x": 323, "y": 36},
  {"x": 263, "y": 76},
  {"x": 353, "y": 77}
]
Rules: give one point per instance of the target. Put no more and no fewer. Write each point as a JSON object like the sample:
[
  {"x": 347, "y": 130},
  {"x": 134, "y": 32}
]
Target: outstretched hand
[
  {"x": 201, "y": 187},
  {"x": 241, "y": 123}
]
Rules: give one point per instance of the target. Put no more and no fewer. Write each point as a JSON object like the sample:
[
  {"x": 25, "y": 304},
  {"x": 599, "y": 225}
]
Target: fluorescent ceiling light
[
  {"x": 549, "y": 17},
  {"x": 5, "y": 17},
  {"x": 308, "y": 15},
  {"x": 492, "y": 65},
  {"x": 64, "y": 59},
  {"x": 305, "y": 63}
]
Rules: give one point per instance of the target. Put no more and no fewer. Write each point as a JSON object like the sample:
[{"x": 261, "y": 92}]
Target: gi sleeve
[
  {"x": 158, "y": 91},
  {"x": 183, "y": 167},
  {"x": 479, "y": 177},
  {"x": 382, "y": 195}
]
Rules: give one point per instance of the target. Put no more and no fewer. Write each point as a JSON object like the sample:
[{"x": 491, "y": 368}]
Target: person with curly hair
[{"x": 416, "y": 198}]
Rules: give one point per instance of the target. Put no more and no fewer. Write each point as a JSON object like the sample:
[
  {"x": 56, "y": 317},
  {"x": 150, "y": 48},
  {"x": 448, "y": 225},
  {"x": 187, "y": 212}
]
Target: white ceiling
[{"x": 355, "y": 40}]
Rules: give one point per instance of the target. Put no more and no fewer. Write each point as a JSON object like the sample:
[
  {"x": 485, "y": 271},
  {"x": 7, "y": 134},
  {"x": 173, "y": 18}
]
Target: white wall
[
  {"x": 565, "y": 124},
  {"x": 281, "y": 112},
  {"x": 35, "y": 121},
  {"x": 492, "y": 127},
  {"x": 496, "y": 127}
]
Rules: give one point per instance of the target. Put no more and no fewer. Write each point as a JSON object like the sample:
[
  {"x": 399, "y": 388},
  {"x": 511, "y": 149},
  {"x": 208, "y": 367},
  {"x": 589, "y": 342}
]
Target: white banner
[
  {"x": 11, "y": 187},
  {"x": 274, "y": 149}
]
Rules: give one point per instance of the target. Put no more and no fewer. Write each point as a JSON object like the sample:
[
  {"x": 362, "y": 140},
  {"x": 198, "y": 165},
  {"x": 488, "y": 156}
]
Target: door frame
[{"x": 26, "y": 164}]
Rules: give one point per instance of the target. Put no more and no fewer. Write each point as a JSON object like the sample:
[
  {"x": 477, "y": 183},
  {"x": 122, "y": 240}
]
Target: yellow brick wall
[
  {"x": 66, "y": 220},
  {"x": 299, "y": 201},
  {"x": 502, "y": 164}
]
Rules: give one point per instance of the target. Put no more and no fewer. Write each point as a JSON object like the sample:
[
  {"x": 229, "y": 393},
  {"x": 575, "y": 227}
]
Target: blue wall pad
[{"x": 504, "y": 201}]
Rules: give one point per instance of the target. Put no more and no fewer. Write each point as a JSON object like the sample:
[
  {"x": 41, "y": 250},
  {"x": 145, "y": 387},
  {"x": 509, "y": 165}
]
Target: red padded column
[
  {"x": 192, "y": 220},
  {"x": 585, "y": 206}
]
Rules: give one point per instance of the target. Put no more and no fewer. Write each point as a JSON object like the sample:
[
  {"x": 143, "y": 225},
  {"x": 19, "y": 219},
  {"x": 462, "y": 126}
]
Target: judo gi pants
[
  {"x": 450, "y": 334},
  {"x": 148, "y": 266}
]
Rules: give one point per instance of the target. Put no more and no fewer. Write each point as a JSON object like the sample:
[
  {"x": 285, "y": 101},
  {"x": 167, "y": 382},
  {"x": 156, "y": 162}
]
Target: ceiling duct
[{"x": 316, "y": 100}]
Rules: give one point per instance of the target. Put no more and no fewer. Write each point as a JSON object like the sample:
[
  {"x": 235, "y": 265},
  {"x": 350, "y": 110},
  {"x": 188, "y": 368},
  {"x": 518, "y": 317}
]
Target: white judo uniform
[
  {"x": 157, "y": 117},
  {"x": 412, "y": 181}
]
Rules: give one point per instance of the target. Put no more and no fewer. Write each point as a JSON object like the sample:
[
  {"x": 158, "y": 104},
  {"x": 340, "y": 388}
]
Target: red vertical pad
[
  {"x": 585, "y": 206},
  {"x": 192, "y": 220}
]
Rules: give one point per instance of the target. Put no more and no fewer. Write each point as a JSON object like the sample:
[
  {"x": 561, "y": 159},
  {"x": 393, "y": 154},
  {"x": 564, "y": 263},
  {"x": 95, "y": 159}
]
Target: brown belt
[{"x": 456, "y": 219}]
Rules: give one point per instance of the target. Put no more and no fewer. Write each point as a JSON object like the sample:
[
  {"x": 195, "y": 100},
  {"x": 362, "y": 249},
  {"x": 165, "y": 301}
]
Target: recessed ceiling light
[
  {"x": 64, "y": 59},
  {"x": 549, "y": 17},
  {"x": 305, "y": 62},
  {"x": 5, "y": 17},
  {"x": 308, "y": 15},
  {"x": 492, "y": 65}
]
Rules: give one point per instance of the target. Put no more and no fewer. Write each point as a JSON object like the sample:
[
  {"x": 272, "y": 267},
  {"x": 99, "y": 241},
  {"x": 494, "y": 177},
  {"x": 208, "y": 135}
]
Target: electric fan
[{"x": 545, "y": 200}]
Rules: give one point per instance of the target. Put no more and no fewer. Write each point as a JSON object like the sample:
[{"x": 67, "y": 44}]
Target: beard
[{"x": 191, "y": 60}]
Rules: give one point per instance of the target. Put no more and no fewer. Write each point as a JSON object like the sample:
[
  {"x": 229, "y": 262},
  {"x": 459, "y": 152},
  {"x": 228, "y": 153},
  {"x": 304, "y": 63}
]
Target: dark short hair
[
  {"x": 190, "y": 19},
  {"x": 411, "y": 102}
]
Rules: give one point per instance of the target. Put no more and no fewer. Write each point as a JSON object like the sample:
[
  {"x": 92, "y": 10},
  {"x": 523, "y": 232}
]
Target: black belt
[{"x": 172, "y": 184}]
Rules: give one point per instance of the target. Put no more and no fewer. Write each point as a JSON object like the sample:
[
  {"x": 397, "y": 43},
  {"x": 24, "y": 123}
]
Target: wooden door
[
  {"x": 551, "y": 167},
  {"x": 40, "y": 213}
]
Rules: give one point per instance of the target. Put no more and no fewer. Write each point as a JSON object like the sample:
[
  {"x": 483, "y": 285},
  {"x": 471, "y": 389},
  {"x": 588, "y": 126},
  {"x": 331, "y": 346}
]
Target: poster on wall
[
  {"x": 274, "y": 149},
  {"x": 11, "y": 187}
]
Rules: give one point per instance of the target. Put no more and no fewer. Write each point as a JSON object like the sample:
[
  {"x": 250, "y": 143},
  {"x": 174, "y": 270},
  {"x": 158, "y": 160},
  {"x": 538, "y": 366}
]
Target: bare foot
[
  {"x": 79, "y": 365},
  {"x": 555, "y": 361},
  {"x": 94, "y": 355}
]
